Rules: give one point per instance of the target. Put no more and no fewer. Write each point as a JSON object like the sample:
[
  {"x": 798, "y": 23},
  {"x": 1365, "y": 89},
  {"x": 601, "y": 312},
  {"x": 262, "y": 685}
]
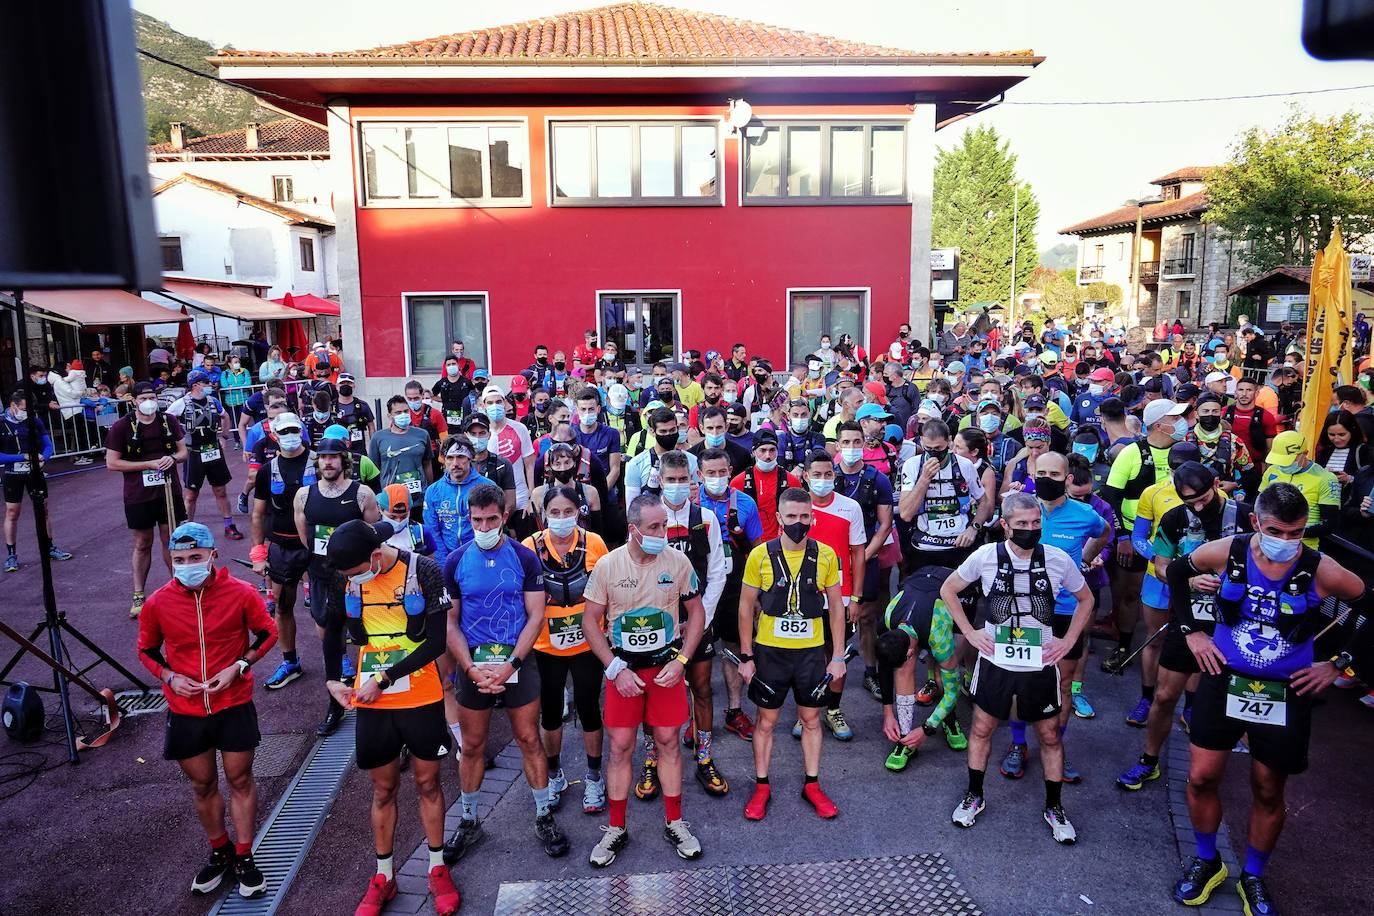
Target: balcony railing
[
  {"x": 1149, "y": 271},
  {"x": 1090, "y": 274},
  {"x": 1178, "y": 267}
]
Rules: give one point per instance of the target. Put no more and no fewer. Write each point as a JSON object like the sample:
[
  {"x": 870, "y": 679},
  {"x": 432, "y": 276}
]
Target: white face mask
[
  {"x": 21, "y": 415},
  {"x": 147, "y": 408}
]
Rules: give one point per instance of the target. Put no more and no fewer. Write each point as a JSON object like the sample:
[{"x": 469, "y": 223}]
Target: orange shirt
[
  {"x": 562, "y": 630},
  {"x": 384, "y": 619}
]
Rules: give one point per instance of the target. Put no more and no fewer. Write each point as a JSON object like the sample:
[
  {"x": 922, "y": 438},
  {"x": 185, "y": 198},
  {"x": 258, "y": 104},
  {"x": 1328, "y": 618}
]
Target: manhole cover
[
  {"x": 138, "y": 703},
  {"x": 277, "y": 755}
]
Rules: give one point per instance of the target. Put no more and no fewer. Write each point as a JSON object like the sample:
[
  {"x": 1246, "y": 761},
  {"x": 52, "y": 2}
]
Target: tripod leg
[
  {"x": 19, "y": 653},
  {"x": 101, "y": 654},
  {"x": 59, "y": 682}
]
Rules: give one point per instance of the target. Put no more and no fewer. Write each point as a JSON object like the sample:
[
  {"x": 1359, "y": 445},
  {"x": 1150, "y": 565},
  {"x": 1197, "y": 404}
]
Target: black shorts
[
  {"x": 287, "y": 563},
  {"x": 706, "y": 649},
  {"x": 232, "y": 730},
  {"x": 875, "y": 578},
  {"x": 15, "y": 485},
  {"x": 1036, "y": 692},
  {"x": 800, "y": 669},
  {"x": 1175, "y": 655},
  {"x": 381, "y": 733},
  {"x": 147, "y": 515},
  {"x": 1059, "y": 625},
  {"x": 726, "y": 621},
  {"x": 199, "y": 472},
  {"x": 525, "y": 690},
  {"x": 1282, "y": 748}
]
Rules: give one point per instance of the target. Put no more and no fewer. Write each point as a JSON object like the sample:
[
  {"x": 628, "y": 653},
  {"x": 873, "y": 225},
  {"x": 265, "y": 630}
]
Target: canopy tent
[
  {"x": 225, "y": 300},
  {"x": 309, "y": 302},
  {"x": 99, "y": 307}
]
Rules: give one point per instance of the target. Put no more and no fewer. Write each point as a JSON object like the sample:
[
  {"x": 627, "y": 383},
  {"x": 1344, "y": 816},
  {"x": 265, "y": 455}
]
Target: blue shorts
[{"x": 1154, "y": 593}]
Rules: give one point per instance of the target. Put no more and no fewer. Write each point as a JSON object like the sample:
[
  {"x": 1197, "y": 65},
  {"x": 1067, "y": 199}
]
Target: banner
[{"x": 1329, "y": 321}]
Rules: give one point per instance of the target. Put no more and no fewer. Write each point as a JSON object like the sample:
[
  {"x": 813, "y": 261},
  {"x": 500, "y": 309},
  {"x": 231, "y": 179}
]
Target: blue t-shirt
[
  {"x": 490, "y": 587},
  {"x": 603, "y": 442},
  {"x": 848, "y": 484},
  {"x": 745, "y": 508},
  {"x": 1069, "y": 528}
]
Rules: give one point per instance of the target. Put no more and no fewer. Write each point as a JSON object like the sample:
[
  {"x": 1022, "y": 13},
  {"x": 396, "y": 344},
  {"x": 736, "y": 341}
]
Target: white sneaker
[
  {"x": 681, "y": 839},
  {"x": 593, "y": 795},
  {"x": 1060, "y": 827},
  {"x": 970, "y": 806},
  {"x": 558, "y": 784},
  {"x": 613, "y": 839}
]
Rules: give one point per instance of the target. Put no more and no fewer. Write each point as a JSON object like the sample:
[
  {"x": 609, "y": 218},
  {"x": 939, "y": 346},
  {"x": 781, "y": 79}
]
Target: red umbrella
[
  {"x": 309, "y": 302},
  {"x": 292, "y": 339},
  {"x": 186, "y": 340}
]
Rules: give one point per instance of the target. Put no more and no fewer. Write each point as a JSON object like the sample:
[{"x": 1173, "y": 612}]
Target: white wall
[{"x": 309, "y": 185}]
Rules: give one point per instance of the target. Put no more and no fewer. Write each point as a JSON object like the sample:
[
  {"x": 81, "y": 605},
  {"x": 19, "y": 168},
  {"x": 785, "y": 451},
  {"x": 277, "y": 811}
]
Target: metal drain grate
[
  {"x": 276, "y": 755},
  {"x": 893, "y": 886},
  {"x": 281, "y": 845},
  {"x": 138, "y": 703}
]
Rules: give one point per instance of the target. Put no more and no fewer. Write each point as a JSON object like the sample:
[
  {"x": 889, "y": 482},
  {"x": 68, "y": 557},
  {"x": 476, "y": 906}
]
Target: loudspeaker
[{"x": 22, "y": 713}]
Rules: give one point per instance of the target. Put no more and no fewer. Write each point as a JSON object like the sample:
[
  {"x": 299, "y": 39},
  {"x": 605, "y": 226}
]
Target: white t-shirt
[
  {"x": 1063, "y": 572},
  {"x": 513, "y": 444},
  {"x": 942, "y": 517}
]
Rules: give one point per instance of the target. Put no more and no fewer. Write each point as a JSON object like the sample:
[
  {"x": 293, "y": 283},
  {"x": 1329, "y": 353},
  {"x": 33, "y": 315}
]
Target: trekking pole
[
  {"x": 735, "y": 660},
  {"x": 1127, "y": 661},
  {"x": 850, "y": 653}
]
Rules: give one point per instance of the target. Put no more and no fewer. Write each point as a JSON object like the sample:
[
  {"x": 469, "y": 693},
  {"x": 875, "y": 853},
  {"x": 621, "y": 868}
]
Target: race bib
[
  {"x": 643, "y": 632},
  {"x": 495, "y": 655},
  {"x": 1018, "y": 649},
  {"x": 355, "y": 435},
  {"x": 371, "y": 661},
  {"x": 797, "y": 628},
  {"x": 1251, "y": 699},
  {"x": 453, "y": 419},
  {"x": 154, "y": 478},
  {"x": 412, "y": 480},
  {"x": 566, "y": 632},
  {"x": 1204, "y": 610},
  {"x": 19, "y": 467},
  {"x": 210, "y": 453},
  {"x": 319, "y": 539}
]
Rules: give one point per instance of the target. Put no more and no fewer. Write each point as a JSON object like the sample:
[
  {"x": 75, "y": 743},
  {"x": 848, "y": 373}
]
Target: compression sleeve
[
  {"x": 949, "y": 683},
  {"x": 941, "y": 650},
  {"x": 1140, "y": 537},
  {"x": 1180, "y": 592},
  {"x": 429, "y": 649}
]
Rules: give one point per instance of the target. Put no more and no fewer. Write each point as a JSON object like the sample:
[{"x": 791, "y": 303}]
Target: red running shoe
[
  {"x": 758, "y": 802},
  {"x": 813, "y": 793},
  {"x": 446, "y": 897},
  {"x": 740, "y": 724},
  {"x": 379, "y": 893}
]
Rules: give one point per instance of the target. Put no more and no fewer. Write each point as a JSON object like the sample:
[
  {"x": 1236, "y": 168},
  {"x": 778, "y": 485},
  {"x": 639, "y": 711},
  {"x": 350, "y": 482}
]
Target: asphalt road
[{"x": 117, "y": 834}]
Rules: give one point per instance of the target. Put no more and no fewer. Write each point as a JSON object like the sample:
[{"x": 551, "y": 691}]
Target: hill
[{"x": 1060, "y": 256}]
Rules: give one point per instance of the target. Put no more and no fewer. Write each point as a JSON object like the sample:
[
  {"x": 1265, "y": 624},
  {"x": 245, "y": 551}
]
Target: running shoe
[
  {"x": 1185, "y": 720},
  {"x": 1071, "y": 774},
  {"x": 286, "y": 673},
  {"x": 558, "y": 784},
  {"x": 252, "y": 882},
  {"x": 758, "y": 802},
  {"x": 212, "y": 873},
  {"x": 467, "y": 835},
  {"x": 1368, "y": 699},
  {"x": 689, "y": 736},
  {"x": 84, "y": 460},
  {"x": 740, "y": 723},
  {"x": 1200, "y": 878},
  {"x": 968, "y": 809},
  {"x": 445, "y": 895},
  {"x": 797, "y": 729},
  {"x": 813, "y": 793},
  {"x": 555, "y": 841},
  {"x": 838, "y": 724},
  {"x": 136, "y": 606},
  {"x": 1141, "y": 714},
  {"x": 1116, "y": 661},
  {"x": 1081, "y": 707},
  {"x": 333, "y": 718},
  {"x": 681, "y": 839},
  {"x": 899, "y": 757},
  {"x": 350, "y": 671},
  {"x": 57, "y": 553},
  {"x": 954, "y": 735},
  {"x": 232, "y": 532},
  {"x": 593, "y": 795},
  {"x": 11, "y": 563},
  {"x": 647, "y": 787},
  {"x": 243, "y": 504},
  {"x": 1134, "y": 779},
  {"x": 871, "y": 684},
  {"x": 380, "y": 891},
  {"x": 1014, "y": 764},
  {"x": 1254, "y": 896},
  {"x": 927, "y": 694},
  {"x": 613, "y": 839},
  {"x": 710, "y": 778},
  {"x": 1060, "y": 828}
]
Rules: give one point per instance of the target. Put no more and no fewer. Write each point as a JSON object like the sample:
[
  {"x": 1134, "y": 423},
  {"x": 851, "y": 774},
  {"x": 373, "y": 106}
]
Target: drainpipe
[{"x": 1202, "y": 277}]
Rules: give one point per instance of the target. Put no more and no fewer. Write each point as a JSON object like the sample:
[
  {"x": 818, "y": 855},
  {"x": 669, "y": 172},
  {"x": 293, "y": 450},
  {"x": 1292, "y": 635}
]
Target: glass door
[{"x": 643, "y": 327}]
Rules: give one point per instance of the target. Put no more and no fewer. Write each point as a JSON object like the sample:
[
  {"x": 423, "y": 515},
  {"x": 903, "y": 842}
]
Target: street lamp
[{"x": 1133, "y": 312}]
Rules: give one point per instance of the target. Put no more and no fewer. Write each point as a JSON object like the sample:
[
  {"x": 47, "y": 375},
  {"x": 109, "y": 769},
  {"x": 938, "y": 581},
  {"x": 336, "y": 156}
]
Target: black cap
[
  {"x": 477, "y": 419},
  {"x": 331, "y": 446},
  {"x": 736, "y": 410},
  {"x": 352, "y": 543},
  {"x": 142, "y": 388},
  {"x": 1153, "y": 386},
  {"x": 765, "y": 437},
  {"x": 1180, "y": 452},
  {"x": 1187, "y": 392}
]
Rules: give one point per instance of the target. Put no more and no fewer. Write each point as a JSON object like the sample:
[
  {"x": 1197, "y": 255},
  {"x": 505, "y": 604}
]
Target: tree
[
  {"x": 1284, "y": 189},
  {"x": 1062, "y": 299},
  {"x": 976, "y": 190}
]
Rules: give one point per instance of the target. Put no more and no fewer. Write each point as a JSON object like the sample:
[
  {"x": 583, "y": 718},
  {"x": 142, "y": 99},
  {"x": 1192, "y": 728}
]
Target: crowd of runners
[{"x": 592, "y": 539}]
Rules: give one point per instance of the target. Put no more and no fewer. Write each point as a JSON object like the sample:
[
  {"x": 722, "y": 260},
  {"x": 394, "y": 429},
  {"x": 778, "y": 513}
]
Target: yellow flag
[{"x": 1329, "y": 324}]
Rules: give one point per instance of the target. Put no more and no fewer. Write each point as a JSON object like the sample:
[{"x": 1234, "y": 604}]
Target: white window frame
[
  {"x": 677, "y": 317},
  {"x": 290, "y": 186},
  {"x": 550, "y": 198},
  {"x": 403, "y": 203},
  {"x": 826, "y": 121},
  {"x": 865, "y": 292},
  {"x": 482, "y": 294}
]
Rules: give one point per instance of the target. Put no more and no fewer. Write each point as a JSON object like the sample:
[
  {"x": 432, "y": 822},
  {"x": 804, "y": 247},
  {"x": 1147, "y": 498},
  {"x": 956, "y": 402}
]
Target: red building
[{"x": 519, "y": 184}]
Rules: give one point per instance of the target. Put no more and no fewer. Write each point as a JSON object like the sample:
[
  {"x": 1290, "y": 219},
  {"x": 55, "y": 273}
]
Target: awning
[
  {"x": 225, "y": 300},
  {"x": 309, "y": 302},
  {"x": 100, "y": 306}
]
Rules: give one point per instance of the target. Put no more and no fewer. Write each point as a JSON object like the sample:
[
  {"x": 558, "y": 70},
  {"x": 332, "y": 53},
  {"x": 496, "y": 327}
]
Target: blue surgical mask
[
  {"x": 495, "y": 412},
  {"x": 615, "y": 411},
  {"x": 1086, "y": 449},
  {"x": 1279, "y": 550},
  {"x": 480, "y": 443},
  {"x": 192, "y": 575},
  {"x": 562, "y": 527},
  {"x": 800, "y": 424},
  {"x": 989, "y": 422},
  {"x": 651, "y": 545},
  {"x": 1180, "y": 429},
  {"x": 676, "y": 493},
  {"x": 1290, "y": 468},
  {"x": 364, "y": 577},
  {"x": 401, "y": 420},
  {"x": 822, "y": 486},
  {"x": 765, "y": 465},
  {"x": 321, "y": 415},
  {"x": 289, "y": 442},
  {"x": 851, "y": 456},
  {"x": 715, "y": 441},
  {"x": 487, "y": 539},
  {"x": 414, "y": 404}
]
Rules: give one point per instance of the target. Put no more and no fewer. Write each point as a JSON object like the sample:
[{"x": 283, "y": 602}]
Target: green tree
[
  {"x": 1284, "y": 189},
  {"x": 976, "y": 192}
]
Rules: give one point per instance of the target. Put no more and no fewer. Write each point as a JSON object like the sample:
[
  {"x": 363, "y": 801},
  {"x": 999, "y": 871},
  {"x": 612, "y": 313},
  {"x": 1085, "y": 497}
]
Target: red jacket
[{"x": 202, "y": 632}]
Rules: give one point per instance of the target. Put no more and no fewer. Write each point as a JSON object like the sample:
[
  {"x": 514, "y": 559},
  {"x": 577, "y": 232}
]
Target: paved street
[{"x": 116, "y": 835}]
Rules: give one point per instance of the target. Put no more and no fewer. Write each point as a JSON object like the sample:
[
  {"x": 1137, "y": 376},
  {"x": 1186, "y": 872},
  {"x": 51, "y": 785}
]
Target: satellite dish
[{"x": 741, "y": 113}]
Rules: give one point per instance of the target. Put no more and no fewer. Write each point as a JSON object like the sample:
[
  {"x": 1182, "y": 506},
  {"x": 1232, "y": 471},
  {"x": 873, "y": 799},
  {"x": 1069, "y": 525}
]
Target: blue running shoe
[
  {"x": 1014, "y": 764},
  {"x": 57, "y": 553},
  {"x": 1200, "y": 878},
  {"x": 1134, "y": 779},
  {"x": 1071, "y": 774},
  {"x": 286, "y": 673},
  {"x": 243, "y": 504},
  {"x": 1141, "y": 714},
  {"x": 11, "y": 563},
  {"x": 1082, "y": 708}
]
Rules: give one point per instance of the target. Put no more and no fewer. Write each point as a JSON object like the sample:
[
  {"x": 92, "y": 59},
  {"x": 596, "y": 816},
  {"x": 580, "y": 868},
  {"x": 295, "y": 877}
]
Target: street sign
[{"x": 943, "y": 258}]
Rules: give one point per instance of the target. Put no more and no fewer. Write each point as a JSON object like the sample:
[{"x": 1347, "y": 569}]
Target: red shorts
[{"x": 656, "y": 707}]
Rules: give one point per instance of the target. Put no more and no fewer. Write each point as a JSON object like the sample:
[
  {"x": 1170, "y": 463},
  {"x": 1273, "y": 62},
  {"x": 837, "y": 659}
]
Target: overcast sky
[{"x": 1081, "y": 160}]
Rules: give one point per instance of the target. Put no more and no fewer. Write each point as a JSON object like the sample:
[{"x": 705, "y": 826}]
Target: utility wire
[
  {"x": 1214, "y": 98},
  {"x": 210, "y": 76}
]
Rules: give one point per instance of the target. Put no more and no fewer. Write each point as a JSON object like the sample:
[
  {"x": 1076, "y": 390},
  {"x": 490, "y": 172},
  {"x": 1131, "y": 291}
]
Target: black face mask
[
  {"x": 1049, "y": 489},
  {"x": 541, "y": 360},
  {"x": 1209, "y": 423},
  {"x": 1024, "y": 538},
  {"x": 346, "y": 390},
  {"x": 712, "y": 400},
  {"x": 735, "y": 429},
  {"x": 796, "y": 531},
  {"x": 564, "y": 476},
  {"x": 560, "y": 365},
  {"x": 937, "y": 454},
  {"x": 666, "y": 442}
]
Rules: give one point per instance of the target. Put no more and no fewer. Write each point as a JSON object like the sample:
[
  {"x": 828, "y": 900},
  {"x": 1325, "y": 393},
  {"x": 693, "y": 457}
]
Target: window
[
  {"x": 1169, "y": 192},
  {"x": 307, "y": 253},
  {"x": 171, "y": 253},
  {"x": 1121, "y": 250},
  {"x": 1097, "y": 255},
  {"x": 812, "y": 163},
  {"x": 626, "y": 163},
  {"x": 282, "y": 191},
  {"x": 811, "y": 314},
  {"x": 445, "y": 164},
  {"x": 1185, "y": 303},
  {"x": 643, "y": 326},
  {"x": 437, "y": 321}
]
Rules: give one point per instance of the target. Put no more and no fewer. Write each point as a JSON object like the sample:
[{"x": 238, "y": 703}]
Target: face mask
[
  {"x": 451, "y": 371},
  {"x": 346, "y": 390},
  {"x": 495, "y": 412},
  {"x": 716, "y": 486},
  {"x": 729, "y": 396},
  {"x": 290, "y": 442},
  {"x": 192, "y": 575},
  {"x": 1035, "y": 415},
  {"x": 651, "y": 545},
  {"x": 937, "y": 454},
  {"x": 1024, "y": 538},
  {"x": 682, "y": 431},
  {"x": 363, "y": 578},
  {"x": 401, "y": 420},
  {"x": 715, "y": 441},
  {"x": 615, "y": 411},
  {"x": 917, "y": 362},
  {"x": 234, "y": 365},
  {"x": 676, "y": 493},
  {"x": 588, "y": 420},
  {"x": 560, "y": 365},
  {"x": 147, "y": 408},
  {"x": 1087, "y": 450},
  {"x": 1096, "y": 390},
  {"x": 1290, "y": 468},
  {"x": 813, "y": 373},
  {"x": 903, "y": 335},
  {"x": 487, "y": 539},
  {"x": 796, "y": 531},
  {"x": 321, "y": 415},
  {"x": 800, "y": 425},
  {"x": 989, "y": 423},
  {"x": 1180, "y": 429},
  {"x": 822, "y": 487},
  {"x": 415, "y": 404},
  {"x": 1209, "y": 423},
  {"x": 479, "y": 443},
  {"x": 851, "y": 456},
  {"x": 765, "y": 465},
  {"x": 1049, "y": 489},
  {"x": 541, "y": 360},
  {"x": 562, "y": 527},
  {"x": 563, "y": 476},
  {"x": 1278, "y": 550},
  {"x": 21, "y": 415}
]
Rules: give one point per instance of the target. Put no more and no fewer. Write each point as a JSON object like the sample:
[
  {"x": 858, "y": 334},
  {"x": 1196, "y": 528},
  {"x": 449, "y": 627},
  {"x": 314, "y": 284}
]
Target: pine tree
[{"x": 975, "y": 194}]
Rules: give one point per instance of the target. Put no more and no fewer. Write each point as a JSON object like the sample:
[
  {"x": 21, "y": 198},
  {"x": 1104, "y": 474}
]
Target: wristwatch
[
  {"x": 383, "y": 679},
  {"x": 243, "y": 666},
  {"x": 745, "y": 657},
  {"x": 1343, "y": 661},
  {"x": 515, "y": 662}
]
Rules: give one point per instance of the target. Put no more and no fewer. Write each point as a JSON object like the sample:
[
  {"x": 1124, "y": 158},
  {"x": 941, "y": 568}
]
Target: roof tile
[
  {"x": 280, "y": 137},
  {"x": 1187, "y": 173},
  {"x": 1191, "y": 205}
]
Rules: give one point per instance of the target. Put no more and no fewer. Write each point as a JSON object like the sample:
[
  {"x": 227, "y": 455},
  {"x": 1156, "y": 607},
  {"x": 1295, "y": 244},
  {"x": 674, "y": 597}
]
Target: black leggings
[{"x": 586, "y": 677}]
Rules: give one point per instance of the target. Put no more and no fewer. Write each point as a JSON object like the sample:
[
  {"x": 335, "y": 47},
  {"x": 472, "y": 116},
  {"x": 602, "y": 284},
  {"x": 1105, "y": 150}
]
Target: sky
[{"x": 1080, "y": 160}]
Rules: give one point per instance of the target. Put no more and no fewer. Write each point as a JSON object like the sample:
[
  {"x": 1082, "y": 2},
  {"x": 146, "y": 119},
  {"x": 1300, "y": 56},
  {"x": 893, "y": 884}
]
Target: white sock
[
  {"x": 457, "y": 731},
  {"x": 384, "y": 866},
  {"x": 906, "y": 713},
  {"x": 436, "y": 857}
]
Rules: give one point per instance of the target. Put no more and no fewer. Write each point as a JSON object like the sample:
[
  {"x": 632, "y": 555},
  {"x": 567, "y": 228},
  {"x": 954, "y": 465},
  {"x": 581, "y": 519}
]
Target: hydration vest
[
  {"x": 412, "y": 599},
  {"x": 1002, "y": 596},
  {"x": 751, "y": 486},
  {"x": 696, "y": 544},
  {"x": 565, "y": 581},
  {"x": 1145, "y": 476},
  {"x": 790, "y": 596},
  {"x": 865, "y": 493},
  {"x": 1297, "y": 619},
  {"x": 134, "y": 443}
]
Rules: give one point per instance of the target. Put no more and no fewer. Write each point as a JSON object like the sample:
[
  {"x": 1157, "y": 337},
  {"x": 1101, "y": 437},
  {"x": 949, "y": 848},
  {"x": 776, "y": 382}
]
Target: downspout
[{"x": 1202, "y": 277}]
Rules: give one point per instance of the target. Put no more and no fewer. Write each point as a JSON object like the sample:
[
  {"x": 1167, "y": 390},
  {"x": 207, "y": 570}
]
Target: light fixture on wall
[{"x": 739, "y": 114}]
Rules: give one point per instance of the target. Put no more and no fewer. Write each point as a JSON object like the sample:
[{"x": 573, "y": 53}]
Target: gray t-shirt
[{"x": 401, "y": 457}]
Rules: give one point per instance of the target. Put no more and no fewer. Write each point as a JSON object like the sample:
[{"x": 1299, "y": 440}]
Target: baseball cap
[
  {"x": 1102, "y": 374},
  {"x": 618, "y": 395},
  {"x": 871, "y": 412},
  {"x": 352, "y": 543},
  {"x": 990, "y": 402},
  {"x": 956, "y": 367},
  {"x": 336, "y": 431},
  {"x": 394, "y": 494},
  {"x": 1216, "y": 377},
  {"x": 1034, "y": 402},
  {"x": 1286, "y": 447},
  {"x": 191, "y": 534},
  {"x": 677, "y": 367},
  {"x": 519, "y": 383},
  {"x": 765, "y": 437},
  {"x": 346, "y": 377},
  {"x": 1153, "y": 386},
  {"x": 1158, "y": 410},
  {"x": 737, "y": 410},
  {"x": 1049, "y": 358},
  {"x": 477, "y": 419},
  {"x": 1187, "y": 392},
  {"x": 328, "y": 446},
  {"x": 929, "y": 408},
  {"x": 1180, "y": 452},
  {"x": 479, "y": 373},
  {"x": 199, "y": 375},
  {"x": 286, "y": 420}
]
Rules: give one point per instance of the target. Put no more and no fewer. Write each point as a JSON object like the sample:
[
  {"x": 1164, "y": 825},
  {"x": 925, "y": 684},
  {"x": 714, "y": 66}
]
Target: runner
[
  {"x": 631, "y": 624},
  {"x": 207, "y": 424},
  {"x": 1083, "y": 477},
  {"x": 1018, "y": 660},
  {"x": 16, "y": 472},
  {"x": 790, "y": 584},
  {"x": 401, "y": 451},
  {"x": 497, "y": 586},
  {"x": 194, "y": 636},
  {"x": 942, "y": 498},
  {"x": 667, "y": 433},
  {"x": 1290, "y": 461},
  {"x": 1259, "y": 678},
  {"x": 511, "y": 441},
  {"x": 765, "y": 481},
  {"x": 145, "y": 446},
  {"x": 394, "y": 607},
  {"x": 355, "y": 415}
]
